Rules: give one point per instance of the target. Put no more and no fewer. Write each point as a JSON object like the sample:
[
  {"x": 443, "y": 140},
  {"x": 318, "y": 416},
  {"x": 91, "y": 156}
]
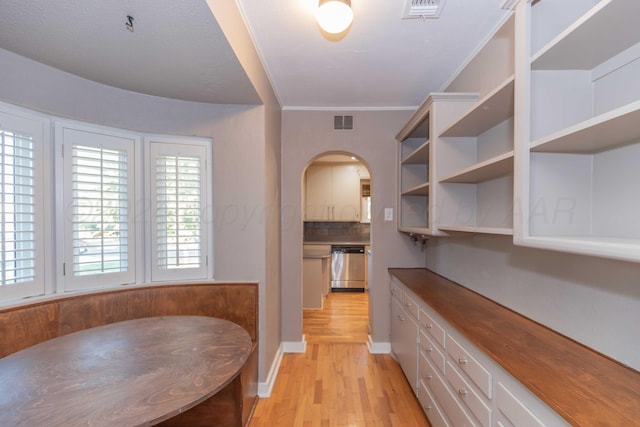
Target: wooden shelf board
[
  {"x": 415, "y": 230},
  {"x": 484, "y": 171},
  {"x": 420, "y": 190},
  {"x": 583, "y": 46},
  {"x": 606, "y": 131},
  {"x": 495, "y": 107},
  {"x": 482, "y": 230},
  {"x": 418, "y": 156}
]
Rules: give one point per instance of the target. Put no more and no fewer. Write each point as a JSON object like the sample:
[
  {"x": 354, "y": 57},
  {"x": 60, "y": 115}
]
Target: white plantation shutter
[
  {"x": 178, "y": 191},
  {"x": 100, "y": 200},
  {"x": 17, "y": 208},
  {"x": 100, "y": 210},
  {"x": 21, "y": 206}
]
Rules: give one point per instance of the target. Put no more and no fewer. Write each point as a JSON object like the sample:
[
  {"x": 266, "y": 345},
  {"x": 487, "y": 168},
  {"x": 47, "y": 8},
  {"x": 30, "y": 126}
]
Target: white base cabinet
[
  {"x": 456, "y": 383},
  {"x": 404, "y": 337}
]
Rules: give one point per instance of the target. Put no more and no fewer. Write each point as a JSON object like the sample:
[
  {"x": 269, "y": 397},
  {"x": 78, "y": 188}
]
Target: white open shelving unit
[
  {"x": 418, "y": 192},
  {"x": 546, "y": 141},
  {"x": 414, "y": 153},
  {"x": 476, "y": 153},
  {"x": 578, "y": 147},
  {"x": 457, "y": 153}
]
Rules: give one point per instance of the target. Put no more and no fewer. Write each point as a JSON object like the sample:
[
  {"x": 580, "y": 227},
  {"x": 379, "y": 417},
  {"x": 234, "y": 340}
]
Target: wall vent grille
[
  {"x": 422, "y": 9},
  {"x": 342, "y": 122}
]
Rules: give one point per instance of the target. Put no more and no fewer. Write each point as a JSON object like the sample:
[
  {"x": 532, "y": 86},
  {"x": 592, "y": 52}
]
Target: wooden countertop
[
  {"x": 132, "y": 373},
  {"x": 337, "y": 242},
  {"x": 583, "y": 386}
]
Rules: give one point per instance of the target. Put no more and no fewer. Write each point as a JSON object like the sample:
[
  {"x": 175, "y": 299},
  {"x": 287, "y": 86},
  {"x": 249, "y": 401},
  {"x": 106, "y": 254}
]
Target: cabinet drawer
[
  {"x": 515, "y": 411},
  {"x": 432, "y": 327},
  {"x": 468, "y": 395},
  {"x": 410, "y": 305},
  {"x": 478, "y": 374},
  {"x": 431, "y": 350},
  {"x": 450, "y": 404},
  {"x": 396, "y": 291},
  {"x": 426, "y": 371},
  {"x": 430, "y": 408}
]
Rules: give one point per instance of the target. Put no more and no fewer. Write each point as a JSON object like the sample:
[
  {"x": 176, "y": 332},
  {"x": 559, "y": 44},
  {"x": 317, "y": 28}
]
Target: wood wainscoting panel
[
  {"x": 23, "y": 327},
  {"x": 237, "y": 303}
]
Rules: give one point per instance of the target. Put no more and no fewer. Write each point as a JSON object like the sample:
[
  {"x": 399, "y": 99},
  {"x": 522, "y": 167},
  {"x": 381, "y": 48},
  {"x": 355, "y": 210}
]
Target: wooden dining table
[{"x": 133, "y": 373}]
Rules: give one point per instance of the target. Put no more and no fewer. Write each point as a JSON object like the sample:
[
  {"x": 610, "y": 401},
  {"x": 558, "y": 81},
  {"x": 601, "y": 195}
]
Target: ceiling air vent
[
  {"x": 414, "y": 9},
  {"x": 342, "y": 122}
]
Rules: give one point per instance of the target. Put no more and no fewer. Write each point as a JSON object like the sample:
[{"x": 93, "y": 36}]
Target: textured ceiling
[{"x": 177, "y": 49}]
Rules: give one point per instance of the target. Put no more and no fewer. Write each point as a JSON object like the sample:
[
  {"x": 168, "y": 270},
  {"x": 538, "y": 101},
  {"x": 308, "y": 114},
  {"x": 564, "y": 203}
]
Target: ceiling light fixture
[{"x": 334, "y": 16}]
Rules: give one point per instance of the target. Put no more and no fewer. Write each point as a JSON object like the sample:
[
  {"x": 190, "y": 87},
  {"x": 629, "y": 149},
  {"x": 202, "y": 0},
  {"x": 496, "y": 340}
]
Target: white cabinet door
[
  {"x": 404, "y": 338},
  {"x": 332, "y": 193},
  {"x": 318, "y": 193},
  {"x": 346, "y": 193}
]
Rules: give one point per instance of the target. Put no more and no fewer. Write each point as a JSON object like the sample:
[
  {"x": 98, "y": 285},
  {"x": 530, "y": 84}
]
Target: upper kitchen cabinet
[
  {"x": 476, "y": 150},
  {"x": 413, "y": 152},
  {"x": 418, "y": 144},
  {"x": 332, "y": 192},
  {"x": 578, "y": 144},
  {"x": 456, "y": 152}
]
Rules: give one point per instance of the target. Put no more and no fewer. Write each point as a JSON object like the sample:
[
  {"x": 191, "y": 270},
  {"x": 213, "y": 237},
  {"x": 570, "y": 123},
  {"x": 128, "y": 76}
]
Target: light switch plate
[{"x": 388, "y": 214}]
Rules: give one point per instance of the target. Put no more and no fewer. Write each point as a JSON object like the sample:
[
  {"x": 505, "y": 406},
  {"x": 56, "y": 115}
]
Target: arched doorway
[{"x": 336, "y": 216}]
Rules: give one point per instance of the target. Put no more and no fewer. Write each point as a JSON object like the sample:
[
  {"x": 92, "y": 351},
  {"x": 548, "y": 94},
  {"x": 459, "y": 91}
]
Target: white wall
[
  {"x": 233, "y": 26},
  {"x": 593, "y": 300},
  {"x": 306, "y": 135}
]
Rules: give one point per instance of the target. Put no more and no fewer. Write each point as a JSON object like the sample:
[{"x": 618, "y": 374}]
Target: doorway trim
[{"x": 300, "y": 347}]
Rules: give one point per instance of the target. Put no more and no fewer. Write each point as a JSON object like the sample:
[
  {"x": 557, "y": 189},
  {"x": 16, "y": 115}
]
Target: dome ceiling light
[{"x": 334, "y": 16}]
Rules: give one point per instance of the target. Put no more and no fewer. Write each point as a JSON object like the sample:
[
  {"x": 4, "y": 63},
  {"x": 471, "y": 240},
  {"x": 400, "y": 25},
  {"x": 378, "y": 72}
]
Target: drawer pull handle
[
  {"x": 462, "y": 392},
  {"x": 428, "y": 325},
  {"x": 427, "y": 407},
  {"x": 401, "y": 318},
  {"x": 407, "y": 304},
  {"x": 428, "y": 377},
  {"x": 427, "y": 349},
  {"x": 462, "y": 361}
]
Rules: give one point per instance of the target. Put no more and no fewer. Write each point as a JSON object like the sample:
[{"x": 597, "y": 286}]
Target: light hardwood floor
[{"x": 337, "y": 382}]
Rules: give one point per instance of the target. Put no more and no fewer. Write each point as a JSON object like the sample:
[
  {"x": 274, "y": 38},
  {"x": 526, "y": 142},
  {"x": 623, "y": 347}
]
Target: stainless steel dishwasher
[{"x": 347, "y": 268}]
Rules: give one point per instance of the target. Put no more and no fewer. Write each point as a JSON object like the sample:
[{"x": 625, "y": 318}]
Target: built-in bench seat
[{"x": 29, "y": 323}]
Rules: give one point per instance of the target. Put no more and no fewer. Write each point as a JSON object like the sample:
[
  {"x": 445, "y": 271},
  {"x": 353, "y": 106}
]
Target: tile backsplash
[{"x": 336, "y": 232}]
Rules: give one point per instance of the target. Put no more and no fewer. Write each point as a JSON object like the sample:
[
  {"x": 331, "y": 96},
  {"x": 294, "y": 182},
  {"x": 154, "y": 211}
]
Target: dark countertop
[{"x": 583, "y": 386}]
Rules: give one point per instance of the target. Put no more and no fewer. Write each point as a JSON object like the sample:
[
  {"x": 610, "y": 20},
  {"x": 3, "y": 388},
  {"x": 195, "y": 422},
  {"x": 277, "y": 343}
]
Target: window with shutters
[
  {"x": 105, "y": 207},
  {"x": 178, "y": 189},
  {"x": 99, "y": 188},
  {"x": 21, "y": 205}
]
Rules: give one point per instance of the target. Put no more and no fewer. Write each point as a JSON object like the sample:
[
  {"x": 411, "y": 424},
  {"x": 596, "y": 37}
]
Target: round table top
[{"x": 132, "y": 373}]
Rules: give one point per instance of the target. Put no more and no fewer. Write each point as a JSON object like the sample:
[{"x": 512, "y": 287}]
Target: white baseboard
[
  {"x": 295, "y": 346},
  {"x": 378, "y": 347},
  {"x": 265, "y": 388}
]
